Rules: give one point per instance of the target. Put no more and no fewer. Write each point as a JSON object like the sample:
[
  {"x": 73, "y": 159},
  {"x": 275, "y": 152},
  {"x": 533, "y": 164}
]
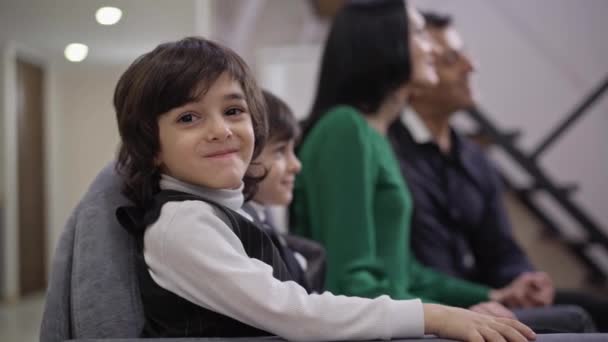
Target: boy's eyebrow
[{"x": 234, "y": 96}]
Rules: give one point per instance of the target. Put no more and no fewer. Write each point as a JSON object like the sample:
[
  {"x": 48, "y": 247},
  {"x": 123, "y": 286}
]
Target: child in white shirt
[{"x": 304, "y": 258}]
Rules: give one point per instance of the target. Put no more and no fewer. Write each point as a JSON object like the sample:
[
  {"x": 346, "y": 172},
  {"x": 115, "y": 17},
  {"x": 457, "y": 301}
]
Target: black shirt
[{"x": 460, "y": 225}]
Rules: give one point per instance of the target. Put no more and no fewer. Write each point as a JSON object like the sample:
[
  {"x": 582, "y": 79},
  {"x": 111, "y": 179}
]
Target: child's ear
[
  {"x": 157, "y": 161},
  {"x": 257, "y": 169},
  {"x": 416, "y": 92}
]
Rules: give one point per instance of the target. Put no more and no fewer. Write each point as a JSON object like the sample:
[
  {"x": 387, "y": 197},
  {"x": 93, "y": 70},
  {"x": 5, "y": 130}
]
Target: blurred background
[{"x": 542, "y": 78}]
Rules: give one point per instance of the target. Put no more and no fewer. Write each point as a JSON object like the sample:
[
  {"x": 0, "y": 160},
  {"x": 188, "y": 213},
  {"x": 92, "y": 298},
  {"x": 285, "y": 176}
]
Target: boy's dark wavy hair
[
  {"x": 282, "y": 124},
  {"x": 170, "y": 76}
]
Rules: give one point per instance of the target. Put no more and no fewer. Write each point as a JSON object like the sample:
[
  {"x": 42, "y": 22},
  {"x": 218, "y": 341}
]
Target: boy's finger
[
  {"x": 510, "y": 334},
  {"x": 492, "y": 334},
  {"x": 520, "y": 327}
]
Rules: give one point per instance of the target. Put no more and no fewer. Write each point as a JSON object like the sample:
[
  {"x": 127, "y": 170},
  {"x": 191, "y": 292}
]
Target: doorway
[{"x": 31, "y": 187}]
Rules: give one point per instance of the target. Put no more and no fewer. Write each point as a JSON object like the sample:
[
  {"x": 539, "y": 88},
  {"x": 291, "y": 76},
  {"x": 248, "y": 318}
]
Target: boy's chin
[
  {"x": 283, "y": 201},
  {"x": 274, "y": 201},
  {"x": 223, "y": 184}
]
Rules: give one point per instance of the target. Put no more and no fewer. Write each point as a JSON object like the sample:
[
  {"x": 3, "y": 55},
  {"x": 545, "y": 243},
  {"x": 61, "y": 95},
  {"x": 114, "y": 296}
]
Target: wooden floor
[{"x": 21, "y": 321}]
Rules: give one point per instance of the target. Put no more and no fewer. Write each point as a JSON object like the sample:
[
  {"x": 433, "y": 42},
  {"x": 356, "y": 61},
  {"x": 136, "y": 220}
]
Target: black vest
[
  {"x": 287, "y": 253},
  {"x": 169, "y": 315}
]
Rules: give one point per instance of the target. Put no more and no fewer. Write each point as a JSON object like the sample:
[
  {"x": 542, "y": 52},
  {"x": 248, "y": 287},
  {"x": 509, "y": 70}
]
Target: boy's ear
[
  {"x": 157, "y": 161},
  {"x": 257, "y": 169}
]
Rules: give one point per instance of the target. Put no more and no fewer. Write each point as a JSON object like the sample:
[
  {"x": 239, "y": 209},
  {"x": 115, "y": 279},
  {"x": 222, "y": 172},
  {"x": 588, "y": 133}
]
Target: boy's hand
[
  {"x": 493, "y": 309},
  {"x": 466, "y": 325}
]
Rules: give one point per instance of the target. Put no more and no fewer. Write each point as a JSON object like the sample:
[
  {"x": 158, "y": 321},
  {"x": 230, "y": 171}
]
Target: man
[{"x": 460, "y": 225}]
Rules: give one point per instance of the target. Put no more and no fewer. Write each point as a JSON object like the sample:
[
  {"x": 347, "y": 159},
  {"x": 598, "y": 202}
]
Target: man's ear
[{"x": 416, "y": 92}]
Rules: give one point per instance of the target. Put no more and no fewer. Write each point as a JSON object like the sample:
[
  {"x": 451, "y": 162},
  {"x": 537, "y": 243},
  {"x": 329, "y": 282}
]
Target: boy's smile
[{"x": 282, "y": 165}]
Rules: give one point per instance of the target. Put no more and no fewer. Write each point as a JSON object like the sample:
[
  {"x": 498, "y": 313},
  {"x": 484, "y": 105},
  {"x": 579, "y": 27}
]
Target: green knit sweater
[{"x": 351, "y": 197}]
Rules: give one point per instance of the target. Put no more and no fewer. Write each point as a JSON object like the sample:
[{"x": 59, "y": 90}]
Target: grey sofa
[
  {"x": 93, "y": 290},
  {"x": 93, "y": 293}
]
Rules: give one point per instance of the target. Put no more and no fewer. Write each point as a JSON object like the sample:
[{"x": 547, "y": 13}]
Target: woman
[{"x": 350, "y": 194}]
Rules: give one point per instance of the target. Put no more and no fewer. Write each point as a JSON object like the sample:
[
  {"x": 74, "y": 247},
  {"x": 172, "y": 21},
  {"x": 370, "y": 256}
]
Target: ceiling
[{"x": 46, "y": 27}]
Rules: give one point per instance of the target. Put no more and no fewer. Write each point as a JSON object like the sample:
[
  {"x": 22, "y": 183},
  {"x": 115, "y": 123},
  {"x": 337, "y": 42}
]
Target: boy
[{"x": 304, "y": 258}]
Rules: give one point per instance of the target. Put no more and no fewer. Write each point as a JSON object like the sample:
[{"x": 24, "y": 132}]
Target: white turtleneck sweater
[{"x": 191, "y": 251}]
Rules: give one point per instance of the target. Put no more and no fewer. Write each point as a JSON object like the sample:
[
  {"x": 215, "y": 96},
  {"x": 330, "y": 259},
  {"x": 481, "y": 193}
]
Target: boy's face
[
  {"x": 279, "y": 159},
  {"x": 208, "y": 142}
]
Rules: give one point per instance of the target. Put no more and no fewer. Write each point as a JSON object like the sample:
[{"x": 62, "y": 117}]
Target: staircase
[{"x": 592, "y": 247}]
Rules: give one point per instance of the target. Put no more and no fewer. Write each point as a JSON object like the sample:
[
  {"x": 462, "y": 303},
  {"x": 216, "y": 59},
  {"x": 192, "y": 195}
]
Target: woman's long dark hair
[{"x": 366, "y": 58}]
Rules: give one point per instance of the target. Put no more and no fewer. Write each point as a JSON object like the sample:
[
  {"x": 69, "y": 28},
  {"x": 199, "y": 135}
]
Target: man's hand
[
  {"x": 543, "y": 292},
  {"x": 530, "y": 289}
]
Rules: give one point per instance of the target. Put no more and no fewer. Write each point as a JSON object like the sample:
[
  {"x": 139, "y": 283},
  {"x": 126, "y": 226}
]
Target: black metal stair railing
[{"x": 560, "y": 193}]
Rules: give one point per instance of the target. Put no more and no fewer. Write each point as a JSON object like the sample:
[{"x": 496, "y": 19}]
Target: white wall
[
  {"x": 80, "y": 131},
  {"x": 84, "y": 134},
  {"x": 290, "y": 72},
  {"x": 248, "y": 26},
  {"x": 80, "y": 137},
  {"x": 2, "y": 133},
  {"x": 10, "y": 257},
  {"x": 2, "y": 163},
  {"x": 537, "y": 60}
]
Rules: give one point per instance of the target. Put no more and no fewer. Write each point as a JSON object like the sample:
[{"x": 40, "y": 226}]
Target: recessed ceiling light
[
  {"x": 76, "y": 52},
  {"x": 108, "y": 15}
]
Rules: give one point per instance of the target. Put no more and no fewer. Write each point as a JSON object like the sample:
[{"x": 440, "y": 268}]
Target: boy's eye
[
  {"x": 234, "y": 111},
  {"x": 186, "y": 118},
  {"x": 280, "y": 150}
]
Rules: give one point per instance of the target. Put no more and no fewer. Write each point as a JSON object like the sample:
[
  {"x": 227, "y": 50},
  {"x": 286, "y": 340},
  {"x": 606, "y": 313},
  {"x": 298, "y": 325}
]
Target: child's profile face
[
  {"x": 279, "y": 159},
  {"x": 208, "y": 142}
]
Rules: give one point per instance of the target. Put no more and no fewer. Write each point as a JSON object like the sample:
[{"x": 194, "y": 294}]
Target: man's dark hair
[{"x": 435, "y": 20}]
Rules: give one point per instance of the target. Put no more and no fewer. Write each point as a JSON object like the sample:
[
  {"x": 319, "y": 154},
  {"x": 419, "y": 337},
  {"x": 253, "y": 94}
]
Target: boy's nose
[
  {"x": 218, "y": 130},
  {"x": 294, "y": 163}
]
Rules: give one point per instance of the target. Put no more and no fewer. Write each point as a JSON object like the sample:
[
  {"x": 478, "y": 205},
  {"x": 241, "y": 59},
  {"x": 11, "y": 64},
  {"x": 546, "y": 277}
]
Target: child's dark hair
[
  {"x": 282, "y": 124},
  {"x": 170, "y": 76}
]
